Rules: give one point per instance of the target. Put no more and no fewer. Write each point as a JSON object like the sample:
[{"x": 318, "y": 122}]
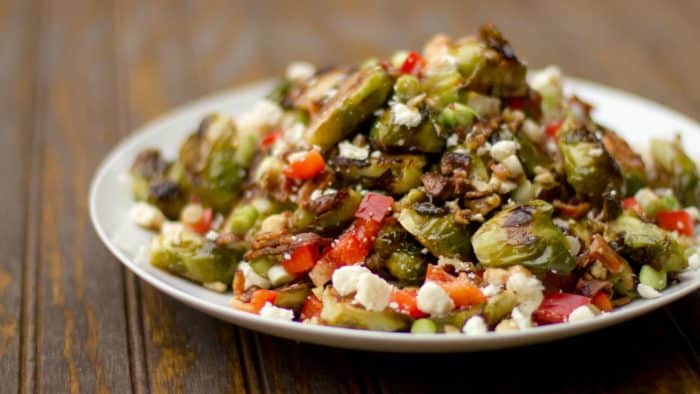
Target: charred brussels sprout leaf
[
  {"x": 441, "y": 235},
  {"x": 589, "y": 168},
  {"x": 645, "y": 243},
  {"x": 194, "y": 258},
  {"x": 531, "y": 155},
  {"x": 523, "y": 234},
  {"x": 339, "y": 216},
  {"x": 150, "y": 181},
  {"x": 401, "y": 254},
  {"x": 676, "y": 170},
  {"x": 388, "y": 136},
  {"x": 293, "y": 296},
  {"x": 630, "y": 163},
  {"x": 397, "y": 174},
  {"x": 338, "y": 312},
  {"x": 357, "y": 99}
]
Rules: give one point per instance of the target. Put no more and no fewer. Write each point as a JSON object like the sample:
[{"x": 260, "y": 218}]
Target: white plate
[{"x": 635, "y": 118}]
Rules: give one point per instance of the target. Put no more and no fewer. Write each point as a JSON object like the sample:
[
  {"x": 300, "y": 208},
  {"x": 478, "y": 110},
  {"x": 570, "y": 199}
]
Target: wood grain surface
[{"x": 79, "y": 75}]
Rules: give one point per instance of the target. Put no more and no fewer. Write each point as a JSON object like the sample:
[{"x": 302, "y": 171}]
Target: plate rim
[{"x": 353, "y": 338}]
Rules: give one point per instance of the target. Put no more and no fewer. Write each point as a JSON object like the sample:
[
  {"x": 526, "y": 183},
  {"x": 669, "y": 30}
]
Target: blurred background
[{"x": 78, "y": 75}]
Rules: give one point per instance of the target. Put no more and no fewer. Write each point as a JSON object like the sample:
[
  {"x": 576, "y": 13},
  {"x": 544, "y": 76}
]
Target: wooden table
[{"x": 77, "y": 76}]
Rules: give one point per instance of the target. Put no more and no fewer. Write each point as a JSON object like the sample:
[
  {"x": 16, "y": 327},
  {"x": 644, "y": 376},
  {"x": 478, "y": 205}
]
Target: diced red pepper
[
  {"x": 679, "y": 221},
  {"x": 305, "y": 166},
  {"x": 374, "y": 206},
  {"x": 602, "y": 301},
  {"x": 556, "y": 307},
  {"x": 257, "y": 301},
  {"x": 204, "y": 223},
  {"x": 630, "y": 203},
  {"x": 413, "y": 64},
  {"x": 270, "y": 138},
  {"x": 301, "y": 259},
  {"x": 437, "y": 274},
  {"x": 461, "y": 290},
  {"x": 553, "y": 128},
  {"x": 312, "y": 308},
  {"x": 407, "y": 303}
]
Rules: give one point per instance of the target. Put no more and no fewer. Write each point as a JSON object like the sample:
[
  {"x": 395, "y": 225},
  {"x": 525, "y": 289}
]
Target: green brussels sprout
[
  {"x": 499, "y": 307},
  {"x": 407, "y": 267},
  {"x": 676, "y": 170},
  {"x": 651, "y": 277},
  {"x": 337, "y": 218},
  {"x": 441, "y": 235},
  {"x": 442, "y": 89},
  {"x": 630, "y": 163},
  {"x": 456, "y": 116},
  {"x": 357, "y": 99},
  {"x": 293, "y": 296},
  {"x": 152, "y": 181},
  {"x": 214, "y": 164},
  {"x": 338, "y": 312},
  {"x": 424, "y": 326},
  {"x": 400, "y": 254},
  {"x": 194, "y": 258},
  {"x": 523, "y": 234},
  {"x": 625, "y": 281},
  {"x": 397, "y": 174},
  {"x": 645, "y": 243},
  {"x": 407, "y": 87},
  {"x": 388, "y": 136},
  {"x": 484, "y": 106},
  {"x": 589, "y": 168},
  {"x": 279, "y": 93},
  {"x": 242, "y": 219},
  {"x": 531, "y": 155},
  {"x": 458, "y": 318}
]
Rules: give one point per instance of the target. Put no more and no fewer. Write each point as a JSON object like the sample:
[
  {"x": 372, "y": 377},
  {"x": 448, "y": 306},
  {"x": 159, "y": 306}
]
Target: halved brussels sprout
[
  {"x": 531, "y": 155},
  {"x": 388, "y": 136},
  {"x": 441, "y": 235},
  {"x": 676, "y": 170},
  {"x": 334, "y": 219},
  {"x": 499, "y": 307},
  {"x": 630, "y": 163},
  {"x": 589, "y": 168},
  {"x": 152, "y": 181},
  {"x": 645, "y": 243},
  {"x": 338, "y": 312},
  {"x": 523, "y": 234},
  {"x": 193, "y": 257},
  {"x": 357, "y": 99},
  {"x": 397, "y": 174},
  {"x": 293, "y": 296}
]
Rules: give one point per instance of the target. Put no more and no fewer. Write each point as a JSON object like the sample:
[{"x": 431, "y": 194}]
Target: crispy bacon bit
[
  {"x": 573, "y": 211},
  {"x": 452, "y": 161},
  {"x": 278, "y": 243},
  {"x": 437, "y": 186}
]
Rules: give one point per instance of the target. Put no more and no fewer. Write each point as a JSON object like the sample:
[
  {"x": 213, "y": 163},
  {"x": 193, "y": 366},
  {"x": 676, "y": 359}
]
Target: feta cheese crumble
[
  {"x": 694, "y": 262},
  {"x": 345, "y": 278},
  {"x": 352, "y": 151},
  {"x": 491, "y": 290},
  {"x": 274, "y": 312},
  {"x": 528, "y": 290},
  {"x": 582, "y": 313},
  {"x": 373, "y": 292},
  {"x": 647, "y": 291},
  {"x": 475, "y": 326},
  {"x": 278, "y": 275},
  {"x": 404, "y": 115},
  {"x": 147, "y": 216},
  {"x": 433, "y": 299},
  {"x": 251, "y": 278},
  {"x": 264, "y": 115},
  {"x": 520, "y": 319},
  {"x": 300, "y": 71},
  {"x": 503, "y": 149}
]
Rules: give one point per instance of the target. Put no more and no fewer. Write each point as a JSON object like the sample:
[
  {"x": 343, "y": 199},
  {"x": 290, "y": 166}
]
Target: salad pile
[{"x": 442, "y": 191}]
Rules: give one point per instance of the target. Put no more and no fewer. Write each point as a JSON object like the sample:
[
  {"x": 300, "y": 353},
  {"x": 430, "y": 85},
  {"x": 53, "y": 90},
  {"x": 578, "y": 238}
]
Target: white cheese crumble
[
  {"x": 452, "y": 140},
  {"x": 647, "y": 291},
  {"x": 491, "y": 290},
  {"x": 147, "y": 216},
  {"x": 694, "y": 262},
  {"x": 274, "y": 312},
  {"x": 546, "y": 80},
  {"x": 520, "y": 319},
  {"x": 404, "y": 115},
  {"x": 264, "y": 115},
  {"x": 503, "y": 149},
  {"x": 172, "y": 232},
  {"x": 278, "y": 275},
  {"x": 528, "y": 290},
  {"x": 533, "y": 130},
  {"x": 373, "y": 292},
  {"x": 351, "y": 151},
  {"x": 582, "y": 313},
  {"x": 300, "y": 71},
  {"x": 211, "y": 235},
  {"x": 512, "y": 164},
  {"x": 693, "y": 212},
  {"x": 433, "y": 299},
  {"x": 345, "y": 278},
  {"x": 251, "y": 278},
  {"x": 475, "y": 325}
]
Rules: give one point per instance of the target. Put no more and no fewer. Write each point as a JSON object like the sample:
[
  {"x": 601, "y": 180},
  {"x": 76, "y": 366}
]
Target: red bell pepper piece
[
  {"x": 602, "y": 301},
  {"x": 407, "y": 303},
  {"x": 413, "y": 64},
  {"x": 679, "y": 221},
  {"x": 553, "y": 128},
  {"x": 305, "y": 166},
  {"x": 269, "y": 139},
  {"x": 312, "y": 308},
  {"x": 301, "y": 259},
  {"x": 259, "y": 298},
  {"x": 204, "y": 223},
  {"x": 556, "y": 307},
  {"x": 373, "y": 206},
  {"x": 461, "y": 290}
]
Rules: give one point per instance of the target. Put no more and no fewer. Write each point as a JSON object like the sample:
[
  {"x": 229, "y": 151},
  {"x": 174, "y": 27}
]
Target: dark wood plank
[
  {"x": 161, "y": 66},
  {"x": 81, "y": 327},
  {"x": 17, "y": 41}
]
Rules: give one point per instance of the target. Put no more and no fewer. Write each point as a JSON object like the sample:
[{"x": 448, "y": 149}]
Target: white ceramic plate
[{"x": 635, "y": 118}]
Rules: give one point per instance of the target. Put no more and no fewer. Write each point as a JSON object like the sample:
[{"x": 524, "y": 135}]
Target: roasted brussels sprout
[
  {"x": 333, "y": 219},
  {"x": 645, "y": 243},
  {"x": 630, "y": 163},
  {"x": 388, "y": 136},
  {"x": 357, "y": 99},
  {"x": 193, "y": 257},
  {"x": 589, "y": 168},
  {"x": 441, "y": 235},
  {"x": 400, "y": 254},
  {"x": 531, "y": 155},
  {"x": 293, "y": 296},
  {"x": 151, "y": 182},
  {"x": 499, "y": 307},
  {"x": 523, "y": 234},
  {"x": 338, "y": 312},
  {"x": 676, "y": 170},
  {"x": 396, "y": 174}
]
